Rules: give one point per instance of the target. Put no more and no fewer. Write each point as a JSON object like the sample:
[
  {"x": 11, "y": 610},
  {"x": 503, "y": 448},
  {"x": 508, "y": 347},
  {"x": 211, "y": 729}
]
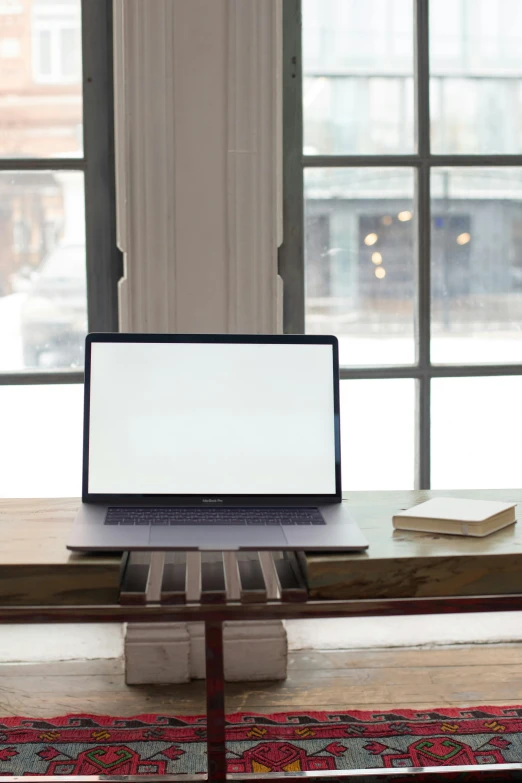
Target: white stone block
[
  {"x": 156, "y": 653},
  {"x": 254, "y": 651}
]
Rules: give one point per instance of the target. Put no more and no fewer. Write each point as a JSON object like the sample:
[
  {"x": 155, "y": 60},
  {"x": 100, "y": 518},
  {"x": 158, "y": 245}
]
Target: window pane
[
  {"x": 377, "y": 434},
  {"x": 43, "y": 47},
  {"x": 43, "y": 300},
  {"x": 476, "y": 265},
  {"x": 41, "y": 454},
  {"x": 476, "y": 432},
  {"x": 41, "y": 87},
  {"x": 358, "y": 76},
  {"x": 70, "y": 63},
  {"x": 359, "y": 262},
  {"x": 476, "y": 67}
]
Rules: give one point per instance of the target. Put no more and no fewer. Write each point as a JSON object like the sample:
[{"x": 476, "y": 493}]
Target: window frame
[
  {"x": 291, "y": 253},
  {"x": 97, "y": 164}
]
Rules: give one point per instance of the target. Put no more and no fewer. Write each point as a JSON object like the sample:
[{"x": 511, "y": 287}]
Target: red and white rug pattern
[{"x": 283, "y": 742}]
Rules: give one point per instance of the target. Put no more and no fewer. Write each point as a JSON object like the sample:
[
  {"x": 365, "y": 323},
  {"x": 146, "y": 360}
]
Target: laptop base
[{"x": 91, "y": 533}]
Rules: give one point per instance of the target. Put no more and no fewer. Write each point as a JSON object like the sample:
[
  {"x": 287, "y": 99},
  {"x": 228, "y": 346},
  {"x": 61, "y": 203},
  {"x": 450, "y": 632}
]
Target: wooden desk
[{"x": 35, "y": 566}]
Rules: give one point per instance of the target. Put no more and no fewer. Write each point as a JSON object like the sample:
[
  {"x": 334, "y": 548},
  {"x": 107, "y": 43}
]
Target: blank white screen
[{"x": 211, "y": 419}]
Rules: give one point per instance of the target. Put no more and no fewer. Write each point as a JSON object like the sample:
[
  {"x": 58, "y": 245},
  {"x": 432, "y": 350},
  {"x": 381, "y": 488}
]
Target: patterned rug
[{"x": 285, "y": 742}]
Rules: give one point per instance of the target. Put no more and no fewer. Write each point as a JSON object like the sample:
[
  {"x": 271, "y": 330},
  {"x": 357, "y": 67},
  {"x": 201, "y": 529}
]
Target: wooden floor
[{"x": 457, "y": 676}]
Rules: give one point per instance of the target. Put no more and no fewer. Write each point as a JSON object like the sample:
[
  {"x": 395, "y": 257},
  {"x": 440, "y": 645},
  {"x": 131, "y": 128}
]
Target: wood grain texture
[
  {"x": 404, "y": 564},
  {"x": 251, "y": 578},
  {"x": 494, "y": 655},
  {"x": 135, "y": 578},
  {"x": 36, "y": 567},
  {"x": 344, "y": 680},
  {"x": 292, "y": 585},
  {"x": 174, "y": 579}
]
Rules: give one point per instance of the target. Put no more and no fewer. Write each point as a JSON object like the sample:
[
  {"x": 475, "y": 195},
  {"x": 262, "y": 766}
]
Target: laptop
[{"x": 212, "y": 442}]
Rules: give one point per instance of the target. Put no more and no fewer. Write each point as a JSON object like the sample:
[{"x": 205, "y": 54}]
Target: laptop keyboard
[{"x": 214, "y": 516}]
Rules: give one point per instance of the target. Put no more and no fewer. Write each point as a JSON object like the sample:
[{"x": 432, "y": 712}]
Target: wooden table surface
[
  {"x": 35, "y": 566},
  {"x": 404, "y": 564}
]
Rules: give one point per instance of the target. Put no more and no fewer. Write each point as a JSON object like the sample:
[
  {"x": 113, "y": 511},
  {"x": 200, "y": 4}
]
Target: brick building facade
[{"x": 40, "y": 117}]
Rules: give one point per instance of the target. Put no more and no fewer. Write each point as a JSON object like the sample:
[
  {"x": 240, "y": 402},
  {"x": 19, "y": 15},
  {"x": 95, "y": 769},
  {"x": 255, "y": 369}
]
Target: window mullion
[
  {"x": 291, "y": 252},
  {"x": 422, "y": 78},
  {"x": 104, "y": 264},
  {"x": 423, "y": 225},
  {"x": 396, "y": 161},
  {"x": 42, "y": 164},
  {"x": 40, "y": 377},
  {"x": 423, "y": 325}
]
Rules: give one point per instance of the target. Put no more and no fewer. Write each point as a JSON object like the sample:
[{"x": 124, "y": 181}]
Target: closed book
[{"x": 457, "y": 516}]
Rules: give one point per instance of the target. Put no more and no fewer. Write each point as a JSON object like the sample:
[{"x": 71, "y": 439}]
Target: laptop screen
[{"x": 210, "y": 419}]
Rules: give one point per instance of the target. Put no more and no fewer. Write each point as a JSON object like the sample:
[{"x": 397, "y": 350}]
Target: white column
[{"x": 198, "y": 138}]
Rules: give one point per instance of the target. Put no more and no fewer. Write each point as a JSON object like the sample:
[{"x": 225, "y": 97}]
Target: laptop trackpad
[
  {"x": 252, "y": 537},
  {"x": 217, "y": 538}
]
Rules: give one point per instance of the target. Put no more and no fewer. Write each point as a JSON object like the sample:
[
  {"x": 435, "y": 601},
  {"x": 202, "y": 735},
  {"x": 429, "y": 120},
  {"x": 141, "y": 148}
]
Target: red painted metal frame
[
  {"x": 272, "y": 610},
  {"x": 215, "y": 686},
  {"x": 214, "y": 616}
]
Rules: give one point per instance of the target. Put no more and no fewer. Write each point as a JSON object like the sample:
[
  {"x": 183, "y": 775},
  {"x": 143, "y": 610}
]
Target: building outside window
[{"x": 56, "y": 41}]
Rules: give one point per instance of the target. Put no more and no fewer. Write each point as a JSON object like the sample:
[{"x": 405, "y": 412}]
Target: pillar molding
[{"x": 199, "y": 203}]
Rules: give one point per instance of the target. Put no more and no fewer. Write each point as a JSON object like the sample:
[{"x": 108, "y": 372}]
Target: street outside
[{"x": 476, "y": 422}]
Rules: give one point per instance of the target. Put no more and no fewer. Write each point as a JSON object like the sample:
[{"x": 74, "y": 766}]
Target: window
[
  {"x": 56, "y": 34},
  {"x": 59, "y": 264},
  {"x": 402, "y": 229},
  {"x": 11, "y": 7}
]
